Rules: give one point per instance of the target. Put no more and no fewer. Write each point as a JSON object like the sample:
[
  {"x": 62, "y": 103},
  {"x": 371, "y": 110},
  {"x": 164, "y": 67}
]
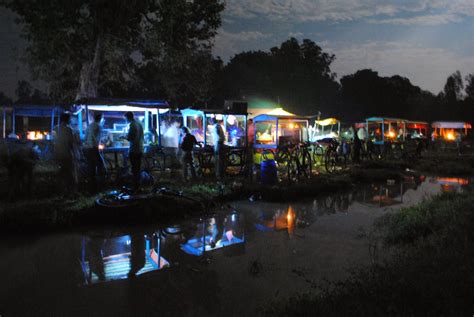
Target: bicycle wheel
[{"x": 306, "y": 165}]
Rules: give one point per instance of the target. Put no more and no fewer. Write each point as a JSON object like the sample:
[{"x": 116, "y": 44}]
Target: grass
[{"x": 430, "y": 273}]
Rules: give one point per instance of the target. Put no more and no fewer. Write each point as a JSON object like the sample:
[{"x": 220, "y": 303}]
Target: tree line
[{"x": 162, "y": 49}]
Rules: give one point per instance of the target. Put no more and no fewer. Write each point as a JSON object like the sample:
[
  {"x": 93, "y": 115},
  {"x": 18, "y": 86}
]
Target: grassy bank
[{"x": 430, "y": 273}]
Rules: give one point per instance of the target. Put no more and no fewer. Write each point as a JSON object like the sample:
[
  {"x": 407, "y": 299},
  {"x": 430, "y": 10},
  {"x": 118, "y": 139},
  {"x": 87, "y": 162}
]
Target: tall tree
[
  {"x": 297, "y": 74},
  {"x": 81, "y": 47},
  {"x": 23, "y": 91},
  {"x": 470, "y": 86},
  {"x": 454, "y": 87}
]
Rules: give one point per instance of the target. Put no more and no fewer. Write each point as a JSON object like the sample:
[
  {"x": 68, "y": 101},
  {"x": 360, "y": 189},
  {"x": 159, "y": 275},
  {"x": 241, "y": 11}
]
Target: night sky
[{"x": 424, "y": 40}]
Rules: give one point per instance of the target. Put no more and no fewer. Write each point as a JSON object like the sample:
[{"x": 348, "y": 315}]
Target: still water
[{"x": 243, "y": 256}]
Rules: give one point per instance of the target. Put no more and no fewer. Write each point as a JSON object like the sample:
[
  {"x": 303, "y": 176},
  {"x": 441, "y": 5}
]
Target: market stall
[
  {"x": 382, "y": 130},
  {"x": 115, "y": 128},
  {"x": 449, "y": 131},
  {"x": 417, "y": 129},
  {"x": 329, "y": 128},
  {"x": 234, "y": 125},
  {"x": 200, "y": 124},
  {"x": 30, "y": 122},
  {"x": 273, "y": 130}
]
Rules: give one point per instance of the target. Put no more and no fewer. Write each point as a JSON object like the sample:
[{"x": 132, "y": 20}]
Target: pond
[{"x": 242, "y": 256}]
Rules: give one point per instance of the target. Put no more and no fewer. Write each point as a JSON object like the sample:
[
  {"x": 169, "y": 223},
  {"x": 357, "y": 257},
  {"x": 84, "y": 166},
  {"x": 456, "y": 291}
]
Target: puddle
[{"x": 230, "y": 262}]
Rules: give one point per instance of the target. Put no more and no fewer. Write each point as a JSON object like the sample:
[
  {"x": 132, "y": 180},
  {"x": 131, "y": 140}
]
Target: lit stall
[
  {"x": 30, "y": 122},
  {"x": 382, "y": 130},
  {"x": 115, "y": 126},
  {"x": 233, "y": 123},
  {"x": 273, "y": 130},
  {"x": 417, "y": 129},
  {"x": 107, "y": 259},
  {"x": 329, "y": 128},
  {"x": 216, "y": 233},
  {"x": 449, "y": 131}
]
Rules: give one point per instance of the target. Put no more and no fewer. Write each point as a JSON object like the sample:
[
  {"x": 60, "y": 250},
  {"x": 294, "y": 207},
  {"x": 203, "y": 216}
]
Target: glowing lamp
[
  {"x": 101, "y": 147},
  {"x": 219, "y": 117},
  {"x": 391, "y": 134},
  {"x": 450, "y": 136}
]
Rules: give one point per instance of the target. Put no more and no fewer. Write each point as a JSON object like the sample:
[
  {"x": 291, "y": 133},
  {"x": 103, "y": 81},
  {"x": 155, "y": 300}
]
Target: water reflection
[
  {"x": 127, "y": 256},
  {"x": 106, "y": 258}
]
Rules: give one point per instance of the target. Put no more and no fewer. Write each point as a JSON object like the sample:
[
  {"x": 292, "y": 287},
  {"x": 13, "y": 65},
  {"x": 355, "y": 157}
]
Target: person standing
[
  {"x": 135, "y": 152},
  {"x": 64, "y": 153},
  {"x": 218, "y": 137},
  {"x": 250, "y": 143},
  {"x": 357, "y": 148},
  {"x": 188, "y": 142},
  {"x": 95, "y": 162}
]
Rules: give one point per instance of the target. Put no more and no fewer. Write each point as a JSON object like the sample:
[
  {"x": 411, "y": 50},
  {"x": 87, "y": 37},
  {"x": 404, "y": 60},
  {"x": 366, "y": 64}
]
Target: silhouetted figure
[
  {"x": 95, "y": 161},
  {"x": 357, "y": 147},
  {"x": 20, "y": 158},
  {"x": 135, "y": 138},
  {"x": 250, "y": 142},
  {"x": 187, "y": 157},
  {"x": 64, "y": 154}
]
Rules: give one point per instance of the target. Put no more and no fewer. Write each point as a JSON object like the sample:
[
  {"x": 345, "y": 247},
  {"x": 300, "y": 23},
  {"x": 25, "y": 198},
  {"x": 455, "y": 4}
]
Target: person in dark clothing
[
  {"x": 357, "y": 148},
  {"x": 94, "y": 158},
  {"x": 135, "y": 138},
  {"x": 187, "y": 146},
  {"x": 64, "y": 154}
]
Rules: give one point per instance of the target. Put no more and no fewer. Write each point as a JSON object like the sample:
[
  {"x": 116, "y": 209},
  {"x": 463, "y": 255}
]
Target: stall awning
[
  {"x": 326, "y": 122},
  {"x": 451, "y": 125},
  {"x": 34, "y": 110},
  {"x": 124, "y": 102}
]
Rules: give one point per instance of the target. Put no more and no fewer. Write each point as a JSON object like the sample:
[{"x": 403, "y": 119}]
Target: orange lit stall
[
  {"x": 450, "y": 131},
  {"x": 273, "y": 130},
  {"x": 386, "y": 130},
  {"x": 30, "y": 122}
]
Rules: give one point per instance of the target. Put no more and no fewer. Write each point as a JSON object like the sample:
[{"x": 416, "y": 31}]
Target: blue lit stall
[
  {"x": 214, "y": 234},
  {"x": 233, "y": 123},
  {"x": 115, "y": 128}
]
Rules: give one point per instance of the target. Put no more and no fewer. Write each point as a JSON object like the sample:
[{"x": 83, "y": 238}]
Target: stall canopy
[
  {"x": 31, "y": 111},
  {"x": 272, "y": 130},
  {"x": 115, "y": 108}
]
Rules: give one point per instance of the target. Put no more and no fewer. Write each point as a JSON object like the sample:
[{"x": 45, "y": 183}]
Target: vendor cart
[
  {"x": 114, "y": 144},
  {"x": 234, "y": 124}
]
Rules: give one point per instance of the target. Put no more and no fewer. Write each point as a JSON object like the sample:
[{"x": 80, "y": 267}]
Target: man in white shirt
[
  {"x": 94, "y": 158},
  {"x": 218, "y": 137}
]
